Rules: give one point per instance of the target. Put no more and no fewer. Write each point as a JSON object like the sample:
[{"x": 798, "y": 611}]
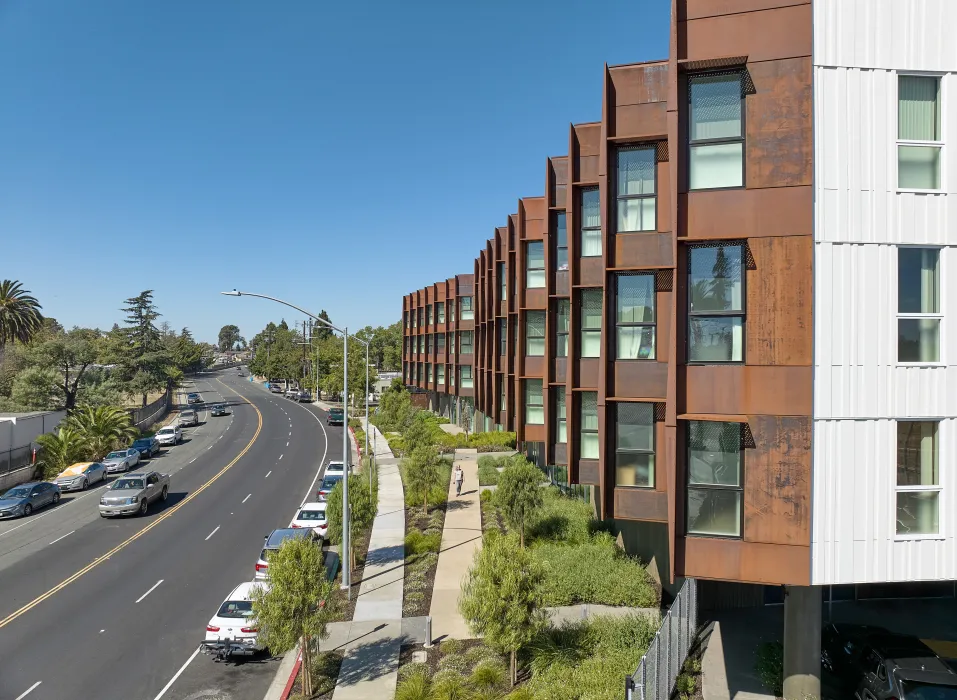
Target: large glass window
[
  {"x": 562, "y": 308},
  {"x": 440, "y": 342},
  {"x": 440, "y": 312},
  {"x": 918, "y": 479},
  {"x": 428, "y": 372},
  {"x": 535, "y": 333},
  {"x": 534, "y": 402},
  {"x": 440, "y": 374},
  {"x": 465, "y": 342},
  {"x": 465, "y": 376},
  {"x": 588, "y": 430},
  {"x": 466, "y": 309},
  {"x": 636, "y": 189},
  {"x": 635, "y": 317},
  {"x": 561, "y": 242},
  {"x": 716, "y": 296},
  {"x": 418, "y": 372},
  {"x": 590, "y": 322},
  {"x": 451, "y": 343},
  {"x": 635, "y": 444},
  {"x": 501, "y": 395},
  {"x": 715, "y": 480},
  {"x": 421, "y": 343},
  {"x": 918, "y": 132},
  {"x": 716, "y": 131},
  {"x": 535, "y": 265},
  {"x": 428, "y": 344},
  {"x": 419, "y": 316},
  {"x": 428, "y": 314},
  {"x": 502, "y": 337},
  {"x": 502, "y": 281},
  {"x": 561, "y": 416},
  {"x": 918, "y": 305},
  {"x": 591, "y": 223}
]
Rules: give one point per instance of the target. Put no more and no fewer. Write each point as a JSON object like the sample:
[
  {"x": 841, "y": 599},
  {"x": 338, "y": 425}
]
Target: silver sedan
[{"x": 121, "y": 460}]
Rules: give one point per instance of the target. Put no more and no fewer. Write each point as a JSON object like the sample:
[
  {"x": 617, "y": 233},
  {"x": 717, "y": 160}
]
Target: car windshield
[
  {"x": 116, "y": 455},
  {"x": 128, "y": 485},
  {"x": 317, "y": 515},
  {"x": 329, "y": 483},
  {"x": 236, "y": 608},
  {"x": 19, "y": 492},
  {"x": 914, "y": 690},
  {"x": 142, "y": 443},
  {"x": 165, "y": 431}
]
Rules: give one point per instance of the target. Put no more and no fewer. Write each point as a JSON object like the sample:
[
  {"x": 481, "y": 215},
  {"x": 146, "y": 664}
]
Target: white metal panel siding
[
  {"x": 912, "y": 34},
  {"x": 854, "y": 531}
]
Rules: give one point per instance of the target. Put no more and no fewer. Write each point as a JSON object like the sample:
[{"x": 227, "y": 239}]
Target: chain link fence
[{"x": 660, "y": 666}]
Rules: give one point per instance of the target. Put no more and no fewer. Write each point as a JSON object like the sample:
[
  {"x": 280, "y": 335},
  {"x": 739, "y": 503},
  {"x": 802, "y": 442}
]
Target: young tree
[
  {"x": 519, "y": 494},
  {"x": 362, "y": 512},
  {"x": 420, "y": 431},
  {"x": 297, "y": 604},
  {"x": 59, "y": 450},
  {"x": 395, "y": 408},
  {"x": 20, "y": 317},
  {"x": 102, "y": 429},
  {"x": 501, "y": 596},
  {"x": 422, "y": 472}
]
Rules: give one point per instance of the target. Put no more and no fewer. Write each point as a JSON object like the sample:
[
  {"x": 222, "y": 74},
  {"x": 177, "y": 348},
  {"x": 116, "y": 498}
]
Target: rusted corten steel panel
[
  {"x": 584, "y": 152},
  {"x": 761, "y": 35},
  {"x": 556, "y": 184},
  {"x": 729, "y": 214},
  {"x": 641, "y": 504},
  {"x": 697, "y": 9},
  {"x": 736, "y": 390},
  {"x": 747, "y": 562}
]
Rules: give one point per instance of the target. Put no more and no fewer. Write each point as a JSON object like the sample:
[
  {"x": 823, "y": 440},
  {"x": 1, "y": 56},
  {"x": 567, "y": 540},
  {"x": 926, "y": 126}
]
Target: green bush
[
  {"x": 447, "y": 647},
  {"x": 562, "y": 519},
  {"x": 489, "y": 674},
  {"x": 769, "y": 665},
  {"x": 493, "y": 441},
  {"x": 454, "y": 662},
  {"x": 419, "y": 543},
  {"x": 488, "y": 475},
  {"x": 438, "y": 495},
  {"x": 596, "y": 572},
  {"x": 415, "y": 685}
]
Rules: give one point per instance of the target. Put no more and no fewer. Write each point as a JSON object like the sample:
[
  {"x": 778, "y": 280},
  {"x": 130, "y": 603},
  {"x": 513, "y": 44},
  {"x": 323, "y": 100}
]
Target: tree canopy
[
  {"x": 20, "y": 317},
  {"x": 230, "y": 338}
]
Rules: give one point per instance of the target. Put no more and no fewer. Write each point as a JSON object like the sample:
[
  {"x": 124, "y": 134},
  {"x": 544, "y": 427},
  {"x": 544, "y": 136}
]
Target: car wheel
[
  {"x": 144, "y": 506},
  {"x": 84, "y": 485},
  {"x": 165, "y": 494},
  {"x": 56, "y": 498},
  {"x": 27, "y": 509}
]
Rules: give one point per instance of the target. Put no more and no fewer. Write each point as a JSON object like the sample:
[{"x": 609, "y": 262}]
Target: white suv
[
  {"x": 170, "y": 435},
  {"x": 234, "y": 623}
]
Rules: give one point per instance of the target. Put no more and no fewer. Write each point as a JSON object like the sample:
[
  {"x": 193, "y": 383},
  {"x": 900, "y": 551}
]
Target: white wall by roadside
[
  {"x": 861, "y": 221},
  {"x": 18, "y": 431}
]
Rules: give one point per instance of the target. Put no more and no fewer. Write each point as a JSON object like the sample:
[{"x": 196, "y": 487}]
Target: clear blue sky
[{"x": 336, "y": 154}]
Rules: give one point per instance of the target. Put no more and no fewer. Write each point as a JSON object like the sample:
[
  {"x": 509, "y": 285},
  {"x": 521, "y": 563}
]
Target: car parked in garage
[
  {"x": 22, "y": 500},
  {"x": 79, "y": 476},
  {"x": 121, "y": 460}
]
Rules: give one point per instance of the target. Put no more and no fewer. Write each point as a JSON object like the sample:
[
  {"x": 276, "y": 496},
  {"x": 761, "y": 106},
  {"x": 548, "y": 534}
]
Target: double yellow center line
[{"x": 99, "y": 560}]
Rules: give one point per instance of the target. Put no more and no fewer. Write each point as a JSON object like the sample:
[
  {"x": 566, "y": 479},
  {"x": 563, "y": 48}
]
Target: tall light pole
[{"x": 346, "y": 452}]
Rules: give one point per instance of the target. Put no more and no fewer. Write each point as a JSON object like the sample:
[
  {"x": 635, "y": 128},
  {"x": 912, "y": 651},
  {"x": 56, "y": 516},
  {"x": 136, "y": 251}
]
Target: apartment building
[{"x": 727, "y": 311}]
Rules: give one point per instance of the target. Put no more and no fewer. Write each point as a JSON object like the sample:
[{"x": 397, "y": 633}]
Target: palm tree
[
  {"x": 102, "y": 428},
  {"x": 59, "y": 450},
  {"x": 20, "y": 317}
]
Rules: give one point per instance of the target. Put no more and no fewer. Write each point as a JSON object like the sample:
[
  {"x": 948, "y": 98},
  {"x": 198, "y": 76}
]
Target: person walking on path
[{"x": 459, "y": 478}]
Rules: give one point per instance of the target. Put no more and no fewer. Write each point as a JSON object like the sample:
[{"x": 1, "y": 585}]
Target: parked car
[
  {"x": 274, "y": 539},
  {"x": 193, "y": 397},
  {"x": 170, "y": 435},
  {"x": 188, "y": 417},
  {"x": 335, "y": 416},
  {"x": 335, "y": 469},
  {"x": 26, "y": 498},
  {"x": 231, "y": 630},
  {"x": 304, "y": 397},
  {"x": 312, "y": 515},
  {"x": 276, "y": 388},
  {"x": 328, "y": 483},
  {"x": 133, "y": 493},
  {"x": 292, "y": 393},
  {"x": 219, "y": 409},
  {"x": 147, "y": 447},
  {"x": 121, "y": 460},
  {"x": 81, "y": 475},
  {"x": 872, "y": 663}
]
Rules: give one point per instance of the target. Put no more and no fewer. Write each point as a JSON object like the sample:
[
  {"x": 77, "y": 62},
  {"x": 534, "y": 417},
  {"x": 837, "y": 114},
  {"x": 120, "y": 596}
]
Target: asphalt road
[{"x": 115, "y": 609}]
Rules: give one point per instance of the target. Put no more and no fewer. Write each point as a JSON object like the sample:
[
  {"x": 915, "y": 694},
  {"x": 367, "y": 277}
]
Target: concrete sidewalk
[
  {"x": 461, "y": 537},
  {"x": 373, "y": 639}
]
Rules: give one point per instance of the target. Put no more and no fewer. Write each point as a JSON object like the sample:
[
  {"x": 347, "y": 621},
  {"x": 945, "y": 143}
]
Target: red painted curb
[
  {"x": 352, "y": 432},
  {"x": 292, "y": 678}
]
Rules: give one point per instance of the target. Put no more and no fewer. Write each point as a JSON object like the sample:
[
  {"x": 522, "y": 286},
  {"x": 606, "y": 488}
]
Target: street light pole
[{"x": 344, "y": 554}]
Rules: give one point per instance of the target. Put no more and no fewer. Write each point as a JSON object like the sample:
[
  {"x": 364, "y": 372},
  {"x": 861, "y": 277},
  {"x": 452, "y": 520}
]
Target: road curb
[{"x": 281, "y": 686}]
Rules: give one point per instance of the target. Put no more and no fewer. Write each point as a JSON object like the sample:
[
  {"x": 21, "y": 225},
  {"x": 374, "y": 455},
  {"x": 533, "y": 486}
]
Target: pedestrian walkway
[
  {"x": 461, "y": 537},
  {"x": 373, "y": 639}
]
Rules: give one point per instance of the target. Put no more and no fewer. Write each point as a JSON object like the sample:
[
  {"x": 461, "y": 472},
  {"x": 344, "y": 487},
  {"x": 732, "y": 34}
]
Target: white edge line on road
[
  {"x": 280, "y": 456},
  {"x": 192, "y": 460},
  {"x": 245, "y": 499},
  {"x": 29, "y": 690},
  {"x": 211, "y": 534},
  {"x": 178, "y": 674},
  {"x": 155, "y": 585},
  {"x": 287, "y": 443},
  {"x": 63, "y": 536},
  {"x": 322, "y": 461},
  {"x": 268, "y": 473}
]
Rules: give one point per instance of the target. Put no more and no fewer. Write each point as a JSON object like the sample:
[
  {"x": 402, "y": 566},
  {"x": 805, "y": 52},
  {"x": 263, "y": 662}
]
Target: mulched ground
[
  {"x": 347, "y": 608},
  {"x": 416, "y": 520},
  {"x": 328, "y": 666},
  {"x": 435, "y": 652}
]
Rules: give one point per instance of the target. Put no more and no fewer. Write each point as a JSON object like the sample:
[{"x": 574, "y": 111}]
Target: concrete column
[{"x": 802, "y": 642}]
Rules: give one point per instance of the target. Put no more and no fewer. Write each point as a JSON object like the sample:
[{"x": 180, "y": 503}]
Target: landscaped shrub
[
  {"x": 595, "y": 572},
  {"x": 419, "y": 543},
  {"x": 562, "y": 519},
  {"x": 492, "y": 441},
  {"x": 488, "y": 475},
  {"x": 415, "y": 685}
]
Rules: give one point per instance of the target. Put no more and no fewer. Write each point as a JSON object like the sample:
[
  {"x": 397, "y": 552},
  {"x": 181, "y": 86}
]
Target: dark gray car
[{"x": 26, "y": 498}]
